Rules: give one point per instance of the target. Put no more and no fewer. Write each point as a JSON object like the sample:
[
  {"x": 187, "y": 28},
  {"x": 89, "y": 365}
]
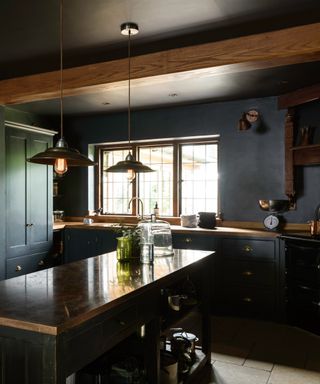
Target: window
[
  {"x": 199, "y": 178},
  {"x": 116, "y": 191},
  {"x": 185, "y": 178},
  {"x": 157, "y": 187}
]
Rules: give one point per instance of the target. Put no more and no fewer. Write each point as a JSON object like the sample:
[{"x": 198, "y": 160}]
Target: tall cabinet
[{"x": 28, "y": 200}]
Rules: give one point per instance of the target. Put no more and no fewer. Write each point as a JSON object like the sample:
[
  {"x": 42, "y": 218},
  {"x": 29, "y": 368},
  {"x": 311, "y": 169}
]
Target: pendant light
[
  {"x": 130, "y": 165},
  {"x": 61, "y": 156}
]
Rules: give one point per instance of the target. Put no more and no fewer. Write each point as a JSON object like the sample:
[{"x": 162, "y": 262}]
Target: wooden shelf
[
  {"x": 306, "y": 155},
  {"x": 172, "y": 318},
  {"x": 297, "y": 155}
]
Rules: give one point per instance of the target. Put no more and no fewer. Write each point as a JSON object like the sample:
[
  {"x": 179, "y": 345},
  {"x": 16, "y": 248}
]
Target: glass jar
[
  {"x": 124, "y": 248},
  {"x": 158, "y": 233}
]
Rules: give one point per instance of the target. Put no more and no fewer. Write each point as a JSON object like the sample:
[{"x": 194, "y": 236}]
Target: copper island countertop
[{"x": 60, "y": 298}]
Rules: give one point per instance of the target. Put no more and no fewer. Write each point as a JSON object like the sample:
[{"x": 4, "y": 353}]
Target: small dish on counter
[{"x": 87, "y": 221}]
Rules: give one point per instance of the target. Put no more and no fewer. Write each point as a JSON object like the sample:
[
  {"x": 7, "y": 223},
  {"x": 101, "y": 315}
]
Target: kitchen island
[{"x": 56, "y": 321}]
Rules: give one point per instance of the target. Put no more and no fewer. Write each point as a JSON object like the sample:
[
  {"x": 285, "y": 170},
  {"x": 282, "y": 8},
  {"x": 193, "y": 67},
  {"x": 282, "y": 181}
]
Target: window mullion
[
  {"x": 98, "y": 179},
  {"x": 176, "y": 180}
]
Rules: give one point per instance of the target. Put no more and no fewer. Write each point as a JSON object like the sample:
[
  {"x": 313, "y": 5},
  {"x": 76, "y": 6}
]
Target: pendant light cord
[
  {"x": 129, "y": 86},
  {"x": 61, "y": 69}
]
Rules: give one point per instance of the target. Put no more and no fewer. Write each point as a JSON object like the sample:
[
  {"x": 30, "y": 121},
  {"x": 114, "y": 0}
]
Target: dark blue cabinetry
[
  {"x": 28, "y": 201},
  {"x": 81, "y": 243},
  {"x": 245, "y": 273},
  {"x": 194, "y": 241},
  {"x": 249, "y": 278}
]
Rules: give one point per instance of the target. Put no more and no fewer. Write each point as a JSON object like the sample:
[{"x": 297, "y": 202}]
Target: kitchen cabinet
[
  {"x": 208, "y": 242},
  {"x": 300, "y": 256},
  {"x": 81, "y": 243},
  {"x": 247, "y": 270},
  {"x": 22, "y": 265},
  {"x": 77, "y": 319},
  {"x": 194, "y": 241},
  {"x": 28, "y": 199}
]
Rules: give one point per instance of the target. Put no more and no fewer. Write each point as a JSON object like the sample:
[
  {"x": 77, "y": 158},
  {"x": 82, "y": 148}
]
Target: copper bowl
[{"x": 274, "y": 205}]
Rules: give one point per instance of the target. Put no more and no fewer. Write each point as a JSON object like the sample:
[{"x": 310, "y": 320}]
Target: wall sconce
[{"x": 247, "y": 119}]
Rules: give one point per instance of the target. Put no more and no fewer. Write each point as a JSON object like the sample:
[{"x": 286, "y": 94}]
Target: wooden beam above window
[
  {"x": 299, "y": 96},
  {"x": 265, "y": 50}
]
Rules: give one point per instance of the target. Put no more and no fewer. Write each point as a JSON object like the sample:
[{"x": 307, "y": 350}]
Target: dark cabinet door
[
  {"x": 108, "y": 241},
  {"x": 39, "y": 196},
  {"x": 78, "y": 244},
  {"x": 247, "y": 275},
  {"x": 81, "y": 243},
  {"x": 28, "y": 194},
  {"x": 17, "y": 193}
]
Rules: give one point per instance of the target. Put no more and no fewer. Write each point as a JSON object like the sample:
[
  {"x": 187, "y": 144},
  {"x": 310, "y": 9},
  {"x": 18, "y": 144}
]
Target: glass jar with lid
[{"x": 157, "y": 232}]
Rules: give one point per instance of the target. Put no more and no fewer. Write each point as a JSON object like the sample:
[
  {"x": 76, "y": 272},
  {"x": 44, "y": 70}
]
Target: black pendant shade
[
  {"x": 61, "y": 151},
  {"x": 129, "y": 164}
]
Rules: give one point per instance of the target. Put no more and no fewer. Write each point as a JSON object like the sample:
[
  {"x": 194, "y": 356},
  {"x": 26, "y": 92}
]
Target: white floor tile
[
  {"x": 288, "y": 375},
  {"x": 230, "y": 352},
  {"x": 233, "y": 374}
]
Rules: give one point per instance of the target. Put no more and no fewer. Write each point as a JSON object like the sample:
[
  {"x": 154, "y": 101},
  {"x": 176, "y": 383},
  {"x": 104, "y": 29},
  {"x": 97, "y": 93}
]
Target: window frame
[{"x": 134, "y": 147}]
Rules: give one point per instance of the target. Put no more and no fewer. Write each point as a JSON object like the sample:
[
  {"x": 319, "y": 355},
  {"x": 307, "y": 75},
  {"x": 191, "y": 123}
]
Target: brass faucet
[{"x": 138, "y": 200}]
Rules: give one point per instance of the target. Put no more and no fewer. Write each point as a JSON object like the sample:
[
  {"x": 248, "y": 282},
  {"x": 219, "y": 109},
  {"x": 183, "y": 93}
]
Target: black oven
[{"x": 302, "y": 281}]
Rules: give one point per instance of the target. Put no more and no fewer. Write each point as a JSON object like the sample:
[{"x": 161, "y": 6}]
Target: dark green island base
[{"x": 56, "y": 321}]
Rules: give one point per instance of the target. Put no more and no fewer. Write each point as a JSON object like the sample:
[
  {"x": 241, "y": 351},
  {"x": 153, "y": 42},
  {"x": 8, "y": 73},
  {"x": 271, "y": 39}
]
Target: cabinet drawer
[
  {"x": 25, "y": 264},
  {"x": 249, "y": 273},
  {"x": 193, "y": 241},
  {"x": 248, "y": 249},
  {"x": 248, "y": 301}
]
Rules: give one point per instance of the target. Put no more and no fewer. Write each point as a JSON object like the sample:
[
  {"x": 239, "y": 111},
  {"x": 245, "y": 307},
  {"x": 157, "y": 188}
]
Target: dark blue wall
[{"x": 251, "y": 162}]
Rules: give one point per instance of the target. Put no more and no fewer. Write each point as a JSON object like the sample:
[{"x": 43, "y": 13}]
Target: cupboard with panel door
[
  {"x": 249, "y": 278},
  {"x": 245, "y": 273},
  {"x": 28, "y": 200},
  {"x": 81, "y": 243}
]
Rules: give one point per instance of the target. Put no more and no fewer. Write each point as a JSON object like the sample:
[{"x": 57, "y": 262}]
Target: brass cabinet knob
[
  {"x": 247, "y": 299},
  {"x": 41, "y": 263},
  {"x": 188, "y": 240},
  {"x": 247, "y": 273},
  {"x": 18, "y": 268},
  {"x": 247, "y": 248}
]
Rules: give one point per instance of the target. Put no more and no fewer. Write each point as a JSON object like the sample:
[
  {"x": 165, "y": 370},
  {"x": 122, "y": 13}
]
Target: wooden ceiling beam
[
  {"x": 300, "y": 96},
  {"x": 265, "y": 50}
]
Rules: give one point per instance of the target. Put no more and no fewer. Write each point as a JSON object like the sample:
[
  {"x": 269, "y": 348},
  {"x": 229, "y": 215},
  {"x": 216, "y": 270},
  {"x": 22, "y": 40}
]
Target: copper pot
[{"x": 314, "y": 227}]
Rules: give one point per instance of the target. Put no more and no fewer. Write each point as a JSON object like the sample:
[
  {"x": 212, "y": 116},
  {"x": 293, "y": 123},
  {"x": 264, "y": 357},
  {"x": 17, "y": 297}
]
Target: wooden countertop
[
  {"x": 218, "y": 231},
  {"x": 56, "y": 299}
]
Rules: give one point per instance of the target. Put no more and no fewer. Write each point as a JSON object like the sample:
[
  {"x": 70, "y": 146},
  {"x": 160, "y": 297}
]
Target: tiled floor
[{"x": 256, "y": 352}]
